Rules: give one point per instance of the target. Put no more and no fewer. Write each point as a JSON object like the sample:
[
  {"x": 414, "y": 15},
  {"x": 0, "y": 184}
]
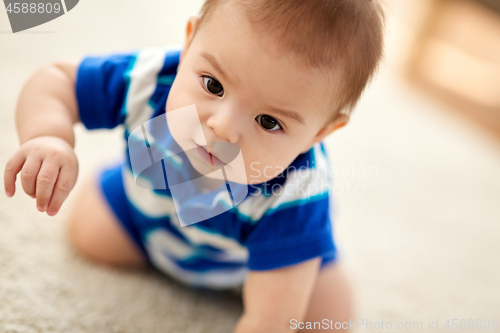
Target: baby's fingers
[
  {"x": 12, "y": 168},
  {"x": 29, "y": 174},
  {"x": 45, "y": 181},
  {"x": 64, "y": 184}
]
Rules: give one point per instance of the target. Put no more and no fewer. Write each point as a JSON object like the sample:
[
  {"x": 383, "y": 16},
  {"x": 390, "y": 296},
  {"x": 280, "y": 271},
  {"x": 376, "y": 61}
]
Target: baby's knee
[
  {"x": 85, "y": 226},
  {"x": 80, "y": 237},
  {"x": 332, "y": 301},
  {"x": 94, "y": 232}
]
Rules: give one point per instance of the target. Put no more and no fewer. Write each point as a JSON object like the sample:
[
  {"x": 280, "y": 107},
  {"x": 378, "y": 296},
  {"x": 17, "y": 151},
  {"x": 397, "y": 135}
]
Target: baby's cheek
[
  {"x": 172, "y": 99},
  {"x": 261, "y": 170},
  {"x": 180, "y": 95}
]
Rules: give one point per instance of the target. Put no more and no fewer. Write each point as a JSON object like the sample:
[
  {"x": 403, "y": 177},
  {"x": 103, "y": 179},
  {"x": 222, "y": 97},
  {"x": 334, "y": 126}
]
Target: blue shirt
[{"x": 282, "y": 222}]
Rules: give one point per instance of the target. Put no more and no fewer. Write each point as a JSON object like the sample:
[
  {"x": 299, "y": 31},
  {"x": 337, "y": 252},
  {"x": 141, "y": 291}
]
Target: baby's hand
[{"x": 49, "y": 169}]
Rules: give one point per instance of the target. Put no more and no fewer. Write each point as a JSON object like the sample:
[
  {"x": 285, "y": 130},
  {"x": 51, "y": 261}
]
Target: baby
[{"x": 274, "y": 78}]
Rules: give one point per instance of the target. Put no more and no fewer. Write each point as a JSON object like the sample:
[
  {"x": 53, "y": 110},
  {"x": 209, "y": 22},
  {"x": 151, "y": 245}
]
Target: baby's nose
[{"x": 226, "y": 125}]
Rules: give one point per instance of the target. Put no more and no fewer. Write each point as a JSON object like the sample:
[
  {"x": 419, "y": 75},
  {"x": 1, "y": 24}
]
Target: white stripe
[
  {"x": 163, "y": 241},
  {"x": 143, "y": 82},
  {"x": 146, "y": 200},
  {"x": 301, "y": 184},
  {"x": 254, "y": 207},
  {"x": 172, "y": 246},
  {"x": 154, "y": 205},
  {"x": 198, "y": 236},
  {"x": 215, "y": 279},
  {"x": 234, "y": 256}
]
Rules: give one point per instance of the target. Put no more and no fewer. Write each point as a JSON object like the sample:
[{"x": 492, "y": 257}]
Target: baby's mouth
[{"x": 208, "y": 156}]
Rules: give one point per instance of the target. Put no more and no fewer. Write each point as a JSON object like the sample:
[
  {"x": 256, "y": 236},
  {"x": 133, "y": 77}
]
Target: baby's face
[{"x": 249, "y": 94}]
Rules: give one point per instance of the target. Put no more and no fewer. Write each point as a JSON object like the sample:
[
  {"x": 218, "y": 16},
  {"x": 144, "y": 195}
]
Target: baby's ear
[
  {"x": 340, "y": 121},
  {"x": 191, "y": 28}
]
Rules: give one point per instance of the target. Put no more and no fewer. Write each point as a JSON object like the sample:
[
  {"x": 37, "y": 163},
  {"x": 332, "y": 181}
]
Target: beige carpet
[{"x": 419, "y": 234}]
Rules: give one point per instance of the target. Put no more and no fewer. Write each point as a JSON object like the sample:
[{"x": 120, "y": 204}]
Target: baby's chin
[
  {"x": 253, "y": 181},
  {"x": 259, "y": 172},
  {"x": 230, "y": 174}
]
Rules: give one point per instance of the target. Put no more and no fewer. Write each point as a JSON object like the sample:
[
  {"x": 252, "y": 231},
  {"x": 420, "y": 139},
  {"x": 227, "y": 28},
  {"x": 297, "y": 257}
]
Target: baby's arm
[
  {"x": 45, "y": 114},
  {"x": 272, "y": 298}
]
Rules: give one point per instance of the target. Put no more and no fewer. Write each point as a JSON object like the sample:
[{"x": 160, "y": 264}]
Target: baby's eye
[
  {"x": 213, "y": 86},
  {"x": 268, "y": 122}
]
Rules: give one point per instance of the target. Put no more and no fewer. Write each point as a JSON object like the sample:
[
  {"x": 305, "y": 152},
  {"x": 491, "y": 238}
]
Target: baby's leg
[
  {"x": 332, "y": 299},
  {"x": 96, "y": 233}
]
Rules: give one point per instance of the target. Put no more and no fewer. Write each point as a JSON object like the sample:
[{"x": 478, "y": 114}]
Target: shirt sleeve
[
  {"x": 291, "y": 235},
  {"x": 101, "y": 89},
  {"x": 296, "y": 222}
]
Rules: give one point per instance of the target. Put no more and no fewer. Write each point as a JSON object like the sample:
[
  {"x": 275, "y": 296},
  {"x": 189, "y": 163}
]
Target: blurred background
[{"x": 417, "y": 181}]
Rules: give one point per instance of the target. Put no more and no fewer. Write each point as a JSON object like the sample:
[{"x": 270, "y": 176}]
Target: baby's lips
[
  {"x": 234, "y": 166},
  {"x": 225, "y": 151}
]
